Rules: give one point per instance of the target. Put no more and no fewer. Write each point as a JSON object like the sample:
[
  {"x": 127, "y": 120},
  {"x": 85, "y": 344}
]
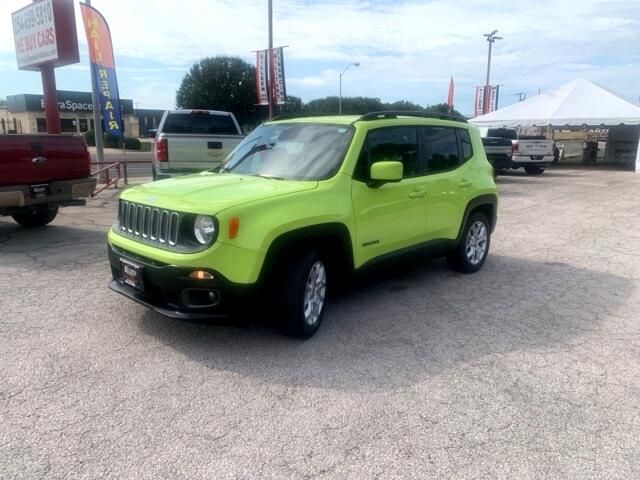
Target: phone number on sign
[{"x": 33, "y": 17}]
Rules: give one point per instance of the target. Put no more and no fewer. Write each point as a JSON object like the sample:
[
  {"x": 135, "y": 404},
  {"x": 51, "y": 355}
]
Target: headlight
[{"x": 204, "y": 229}]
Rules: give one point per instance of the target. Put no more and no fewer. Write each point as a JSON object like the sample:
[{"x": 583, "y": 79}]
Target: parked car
[
  {"x": 151, "y": 133},
  {"x": 41, "y": 173},
  {"x": 533, "y": 153},
  {"x": 297, "y": 207},
  {"x": 189, "y": 141},
  {"x": 499, "y": 152}
]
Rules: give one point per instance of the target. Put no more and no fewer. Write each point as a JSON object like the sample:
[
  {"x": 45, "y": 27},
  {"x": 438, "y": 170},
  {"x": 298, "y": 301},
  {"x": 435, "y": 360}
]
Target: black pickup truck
[{"x": 499, "y": 152}]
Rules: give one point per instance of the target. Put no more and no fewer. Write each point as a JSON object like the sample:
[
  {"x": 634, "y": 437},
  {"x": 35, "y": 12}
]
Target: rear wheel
[
  {"x": 302, "y": 295},
  {"x": 36, "y": 217},
  {"x": 472, "y": 251},
  {"x": 533, "y": 170}
]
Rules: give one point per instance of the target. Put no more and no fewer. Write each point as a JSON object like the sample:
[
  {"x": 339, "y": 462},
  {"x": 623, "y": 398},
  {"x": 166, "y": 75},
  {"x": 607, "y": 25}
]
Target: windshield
[{"x": 291, "y": 151}]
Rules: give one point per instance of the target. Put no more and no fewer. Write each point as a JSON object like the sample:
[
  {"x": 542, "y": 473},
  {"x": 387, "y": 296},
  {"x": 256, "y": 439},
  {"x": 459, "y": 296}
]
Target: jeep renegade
[{"x": 300, "y": 203}]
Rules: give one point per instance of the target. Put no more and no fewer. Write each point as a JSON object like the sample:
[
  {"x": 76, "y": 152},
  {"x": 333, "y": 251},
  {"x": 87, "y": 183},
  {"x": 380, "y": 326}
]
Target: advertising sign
[
  {"x": 103, "y": 68},
  {"x": 44, "y": 33},
  {"x": 261, "y": 77},
  {"x": 34, "y": 34},
  {"x": 486, "y": 103},
  {"x": 278, "y": 88},
  {"x": 478, "y": 102}
]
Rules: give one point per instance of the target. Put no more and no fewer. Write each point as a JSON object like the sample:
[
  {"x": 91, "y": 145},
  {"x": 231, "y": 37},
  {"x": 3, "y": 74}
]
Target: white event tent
[{"x": 577, "y": 104}]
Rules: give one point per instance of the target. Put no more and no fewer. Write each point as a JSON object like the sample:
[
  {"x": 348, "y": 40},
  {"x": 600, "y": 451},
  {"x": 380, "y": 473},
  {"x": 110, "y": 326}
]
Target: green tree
[
  {"x": 404, "y": 105},
  {"x": 293, "y": 106},
  {"x": 222, "y": 83},
  {"x": 3, "y": 102},
  {"x": 442, "y": 108},
  {"x": 350, "y": 105}
]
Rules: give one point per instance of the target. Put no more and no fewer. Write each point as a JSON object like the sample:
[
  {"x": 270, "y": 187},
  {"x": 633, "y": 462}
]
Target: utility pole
[
  {"x": 491, "y": 38},
  {"x": 270, "y": 60},
  {"x": 97, "y": 121}
]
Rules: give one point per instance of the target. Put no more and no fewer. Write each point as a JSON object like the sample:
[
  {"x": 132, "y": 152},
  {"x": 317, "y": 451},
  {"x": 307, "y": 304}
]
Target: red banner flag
[{"x": 450, "y": 97}]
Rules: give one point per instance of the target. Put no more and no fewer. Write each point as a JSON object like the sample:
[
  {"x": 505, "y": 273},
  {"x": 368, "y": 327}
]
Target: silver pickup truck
[
  {"x": 190, "y": 141},
  {"x": 534, "y": 153}
]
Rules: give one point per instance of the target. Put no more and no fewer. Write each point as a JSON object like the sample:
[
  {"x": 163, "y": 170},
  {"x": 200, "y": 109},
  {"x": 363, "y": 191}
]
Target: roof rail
[
  {"x": 400, "y": 113},
  {"x": 289, "y": 116}
]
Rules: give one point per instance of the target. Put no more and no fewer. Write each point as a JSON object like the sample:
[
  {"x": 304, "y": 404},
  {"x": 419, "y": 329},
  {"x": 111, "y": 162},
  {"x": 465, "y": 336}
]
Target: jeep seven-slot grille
[{"x": 153, "y": 225}]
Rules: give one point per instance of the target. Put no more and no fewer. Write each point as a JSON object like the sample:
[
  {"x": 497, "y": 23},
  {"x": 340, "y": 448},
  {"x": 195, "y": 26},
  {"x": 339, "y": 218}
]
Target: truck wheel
[
  {"x": 301, "y": 298},
  {"x": 472, "y": 251},
  {"x": 37, "y": 217},
  {"x": 533, "y": 170}
]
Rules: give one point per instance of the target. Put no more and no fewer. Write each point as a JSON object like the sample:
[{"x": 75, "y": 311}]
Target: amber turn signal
[
  {"x": 234, "y": 226},
  {"x": 200, "y": 275}
]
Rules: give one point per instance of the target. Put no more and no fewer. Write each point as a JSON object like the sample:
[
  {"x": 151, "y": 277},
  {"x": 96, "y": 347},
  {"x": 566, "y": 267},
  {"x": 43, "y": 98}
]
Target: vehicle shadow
[{"x": 415, "y": 320}]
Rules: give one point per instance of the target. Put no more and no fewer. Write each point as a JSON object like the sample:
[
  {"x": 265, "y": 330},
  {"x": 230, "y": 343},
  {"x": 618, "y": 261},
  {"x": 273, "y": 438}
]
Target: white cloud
[{"x": 408, "y": 48}]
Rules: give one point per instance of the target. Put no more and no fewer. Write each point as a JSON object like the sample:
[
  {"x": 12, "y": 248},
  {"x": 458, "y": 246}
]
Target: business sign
[
  {"x": 44, "y": 32},
  {"x": 262, "y": 69},
  {"x": 478, "y": 102},
  {"x": 278, "y": 87},
  {"x": 103, "y": 68}
]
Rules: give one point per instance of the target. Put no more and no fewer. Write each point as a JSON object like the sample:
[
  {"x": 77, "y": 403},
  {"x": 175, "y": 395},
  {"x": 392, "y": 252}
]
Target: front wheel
[
  {"x": 472, "y": 251},
  {"x": 36, "y": 217},
  {"x": 302, "y": 296},
  {"x": 533, "y": 170}
]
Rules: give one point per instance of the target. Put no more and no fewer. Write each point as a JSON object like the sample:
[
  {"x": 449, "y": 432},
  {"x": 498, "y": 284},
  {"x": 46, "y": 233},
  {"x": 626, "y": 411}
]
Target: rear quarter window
[{"x": 199, "y": 123}]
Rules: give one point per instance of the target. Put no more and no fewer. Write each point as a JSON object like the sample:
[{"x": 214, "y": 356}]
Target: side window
[
  {"x": 395, "y": 144},
  {"x": 465, "y": 140},
  {"x": 441, "y": 148}
]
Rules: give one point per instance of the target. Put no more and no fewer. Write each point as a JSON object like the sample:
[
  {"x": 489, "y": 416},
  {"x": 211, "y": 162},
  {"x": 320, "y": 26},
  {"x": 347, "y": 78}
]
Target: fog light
[
  {"x": 200, "y": 275},
  {"x": 213, "y": 296}
]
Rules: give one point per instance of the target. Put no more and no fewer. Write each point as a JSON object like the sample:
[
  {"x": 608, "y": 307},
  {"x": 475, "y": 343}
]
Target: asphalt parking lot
[{"x": 528, "y": 369}]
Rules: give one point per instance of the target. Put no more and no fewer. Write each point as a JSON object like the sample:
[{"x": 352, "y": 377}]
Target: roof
[{"x": 577, "y": 103}]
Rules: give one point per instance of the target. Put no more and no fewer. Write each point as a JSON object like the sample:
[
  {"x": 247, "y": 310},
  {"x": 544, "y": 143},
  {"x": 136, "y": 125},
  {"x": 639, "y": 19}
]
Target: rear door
[
  {"x": 449, "y": 179},
  {"x": 199, "y": 140},
  {"x": 32, "y": 159}
]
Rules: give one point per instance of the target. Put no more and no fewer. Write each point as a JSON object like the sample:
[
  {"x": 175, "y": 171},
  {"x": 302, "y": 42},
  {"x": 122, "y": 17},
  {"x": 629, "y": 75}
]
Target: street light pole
[
  {"x": 491, "y": 38},
  {"x": 356, "y": 64}
]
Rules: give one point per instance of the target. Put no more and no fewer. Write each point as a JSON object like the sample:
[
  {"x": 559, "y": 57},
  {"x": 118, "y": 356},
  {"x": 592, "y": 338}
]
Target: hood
[{"x": 211, "y": 192}]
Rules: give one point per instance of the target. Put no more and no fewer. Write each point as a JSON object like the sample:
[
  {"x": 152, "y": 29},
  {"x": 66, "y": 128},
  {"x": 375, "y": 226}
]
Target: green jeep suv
[{"x": 296, "y": 207}]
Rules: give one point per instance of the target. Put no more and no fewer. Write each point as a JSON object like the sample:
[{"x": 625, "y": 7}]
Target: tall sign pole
[
  {"x": 270, "y": 59},
  {"x": 491, "y": 38},
  {"x": 97, "y": 118}
]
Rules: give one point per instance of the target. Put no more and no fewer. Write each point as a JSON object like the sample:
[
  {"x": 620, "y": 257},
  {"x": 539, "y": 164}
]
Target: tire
[
  {"x": 533, "y": 170},
  {"x": 467, "y": 258},
  {"x": 301, "y": 296},
  {"x": 38, "y": 217}
]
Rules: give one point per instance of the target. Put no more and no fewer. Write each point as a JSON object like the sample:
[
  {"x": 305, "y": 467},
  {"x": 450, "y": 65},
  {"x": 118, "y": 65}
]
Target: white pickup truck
[
  {"x": 190, "y": 141},
  {"x": 535, "y": 154}
]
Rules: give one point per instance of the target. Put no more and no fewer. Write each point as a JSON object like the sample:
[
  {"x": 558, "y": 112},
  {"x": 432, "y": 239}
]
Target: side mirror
[{"x": 385, "y": 172}]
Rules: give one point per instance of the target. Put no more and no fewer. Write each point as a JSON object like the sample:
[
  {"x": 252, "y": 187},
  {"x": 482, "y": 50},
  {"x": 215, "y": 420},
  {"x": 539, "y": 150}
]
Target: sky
[{"x": 407, "y": 50}]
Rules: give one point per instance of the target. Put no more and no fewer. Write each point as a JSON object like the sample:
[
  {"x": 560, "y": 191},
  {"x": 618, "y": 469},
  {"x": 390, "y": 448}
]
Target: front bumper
[{"x": 168, "y": 290}]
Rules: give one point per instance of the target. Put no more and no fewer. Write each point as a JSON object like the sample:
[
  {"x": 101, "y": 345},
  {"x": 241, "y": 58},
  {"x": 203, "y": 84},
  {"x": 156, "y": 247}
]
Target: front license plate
[
  {"x": 40, "y": 191},
  {"x": 131, "y": 274}
]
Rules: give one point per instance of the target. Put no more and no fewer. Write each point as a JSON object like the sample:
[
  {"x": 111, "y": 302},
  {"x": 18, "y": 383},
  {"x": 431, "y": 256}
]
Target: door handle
[
  {"x": 417, "y": 194},
  {"x": 465, "y": 183}
]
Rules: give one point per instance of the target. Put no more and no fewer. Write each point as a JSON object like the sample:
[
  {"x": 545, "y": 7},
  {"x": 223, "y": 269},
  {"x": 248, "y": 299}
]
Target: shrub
[
  {"x": 90, "y": 138},
  {"x": 111, "y": 141},
  {"x": 130, "y": 143}
]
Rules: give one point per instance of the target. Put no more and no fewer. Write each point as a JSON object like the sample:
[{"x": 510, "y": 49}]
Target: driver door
[{"x": 392, "y": 216}]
